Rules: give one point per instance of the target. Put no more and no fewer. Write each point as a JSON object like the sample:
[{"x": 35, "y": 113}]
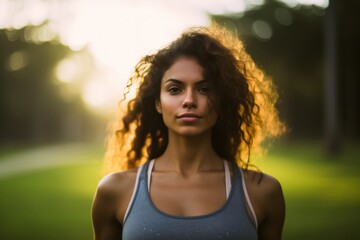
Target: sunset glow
[{"x": 116, "y": 33}]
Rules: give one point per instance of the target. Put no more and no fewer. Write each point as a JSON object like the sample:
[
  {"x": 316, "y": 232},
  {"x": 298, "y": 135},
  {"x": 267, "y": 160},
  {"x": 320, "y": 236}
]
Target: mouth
[{"x": 189, "y": 117}]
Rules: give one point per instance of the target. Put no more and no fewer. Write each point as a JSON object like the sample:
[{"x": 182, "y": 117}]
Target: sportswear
[{"x": 143, "y": 220}]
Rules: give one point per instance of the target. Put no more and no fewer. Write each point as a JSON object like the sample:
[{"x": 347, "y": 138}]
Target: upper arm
[
  {"x": 105, "y": 224},
  {"x": 274, "y": 210}
]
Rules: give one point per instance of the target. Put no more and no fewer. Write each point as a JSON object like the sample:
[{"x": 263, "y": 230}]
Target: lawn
[
  {"x": 52, "y": 203},
  {"x": 322, "y": 194}
]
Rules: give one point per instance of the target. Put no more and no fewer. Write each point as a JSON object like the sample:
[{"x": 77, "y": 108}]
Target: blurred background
[{"x": 63, "y": 67}]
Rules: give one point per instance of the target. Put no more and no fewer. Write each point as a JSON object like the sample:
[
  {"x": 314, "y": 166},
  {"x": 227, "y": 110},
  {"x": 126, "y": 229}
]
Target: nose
[{"x": 190, "y": 100}]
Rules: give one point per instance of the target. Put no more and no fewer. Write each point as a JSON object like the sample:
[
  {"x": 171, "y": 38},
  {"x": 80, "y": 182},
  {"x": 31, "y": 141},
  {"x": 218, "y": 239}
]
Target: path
[{"x": 45, "y": 157}]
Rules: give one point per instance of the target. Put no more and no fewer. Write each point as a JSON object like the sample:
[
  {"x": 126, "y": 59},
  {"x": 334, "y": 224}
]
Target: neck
[{"x": 188, "y": 155}]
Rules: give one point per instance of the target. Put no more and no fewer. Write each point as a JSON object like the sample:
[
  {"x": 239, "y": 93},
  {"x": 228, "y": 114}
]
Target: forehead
[{"x": 184, "y": 69}]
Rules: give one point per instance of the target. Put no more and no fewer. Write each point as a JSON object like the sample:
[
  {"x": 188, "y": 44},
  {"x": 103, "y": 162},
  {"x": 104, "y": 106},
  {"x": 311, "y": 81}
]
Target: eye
[
  {"x": 173, "y": 90},
  {"x": 204, "y": 89}
]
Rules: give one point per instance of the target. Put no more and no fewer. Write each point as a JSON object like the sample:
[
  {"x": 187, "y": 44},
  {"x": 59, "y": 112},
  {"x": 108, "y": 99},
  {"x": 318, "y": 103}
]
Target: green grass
[
  {"x": 322, "y": 195},
  {"x": 51, "y": 204}
]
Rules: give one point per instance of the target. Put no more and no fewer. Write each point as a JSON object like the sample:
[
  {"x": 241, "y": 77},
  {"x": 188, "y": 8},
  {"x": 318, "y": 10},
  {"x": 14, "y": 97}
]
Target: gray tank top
[{"x": 144, "y": 220}]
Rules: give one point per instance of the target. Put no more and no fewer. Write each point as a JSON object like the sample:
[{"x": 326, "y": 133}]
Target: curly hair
[{"x": 244, "y": 99}]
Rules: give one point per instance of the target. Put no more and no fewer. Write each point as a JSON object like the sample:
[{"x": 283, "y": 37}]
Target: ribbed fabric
[{"x": 145, "y": 222}]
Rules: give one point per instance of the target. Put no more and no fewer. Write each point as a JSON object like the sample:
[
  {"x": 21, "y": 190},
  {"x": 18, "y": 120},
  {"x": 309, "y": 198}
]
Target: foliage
[
  {"x": 289, "y": 43},
  {"x": 33, "y": 104}
]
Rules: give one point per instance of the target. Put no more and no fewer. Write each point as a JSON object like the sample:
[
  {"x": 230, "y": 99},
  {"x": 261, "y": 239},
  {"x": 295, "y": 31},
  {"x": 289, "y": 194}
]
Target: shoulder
[
  {"x": 116, "y": 184},
  {"x": 263, "y": 184},
  {"x": 114, "y": 192},
  {"x": 117, "y": 180},
  {"x": 110, "y": 203},
  {"x": 266, "y": 195}
]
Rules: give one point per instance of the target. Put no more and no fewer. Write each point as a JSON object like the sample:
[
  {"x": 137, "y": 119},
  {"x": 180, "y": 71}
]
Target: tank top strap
[
  {"x": 241, "y": 185},
  {"x": 136, "y": 186},
  {"x": 150, "y": 166},
  {"x": 227, "y": 179}
]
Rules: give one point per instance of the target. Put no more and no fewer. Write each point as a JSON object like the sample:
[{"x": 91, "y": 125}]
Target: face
[{"x": 184, "y": 99}]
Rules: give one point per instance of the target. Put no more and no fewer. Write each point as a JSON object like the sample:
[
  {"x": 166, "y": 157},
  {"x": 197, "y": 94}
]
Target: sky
[{"x": 116, "y": 33}]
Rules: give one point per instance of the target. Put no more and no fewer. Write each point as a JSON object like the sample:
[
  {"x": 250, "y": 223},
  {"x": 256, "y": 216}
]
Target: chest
[
  {"x": 187, "y": 211},
  {"x": 197, "y": 195}
]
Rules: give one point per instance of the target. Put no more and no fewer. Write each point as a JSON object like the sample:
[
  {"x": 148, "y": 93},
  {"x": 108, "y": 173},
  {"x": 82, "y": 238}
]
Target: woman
[{"x": 201, "y": 108}]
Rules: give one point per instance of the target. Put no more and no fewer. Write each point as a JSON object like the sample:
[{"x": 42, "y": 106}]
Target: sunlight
[
  {"x": 103, "y": 91},
  {"x": 95, "y": 93},
  {"x": 66, "y": 70},
  {"x": 17, "y": 61},
  {"x": 322, "y": 3},
  {"x": 117, "y": 33},
  {"x": 39, "y": 35}
]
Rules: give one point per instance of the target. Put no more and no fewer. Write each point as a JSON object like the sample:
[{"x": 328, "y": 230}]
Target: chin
[{"x": 192, "y": 132}]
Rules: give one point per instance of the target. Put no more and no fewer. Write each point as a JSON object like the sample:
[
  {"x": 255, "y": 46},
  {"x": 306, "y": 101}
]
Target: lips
[{"x": 189, "y": 117}]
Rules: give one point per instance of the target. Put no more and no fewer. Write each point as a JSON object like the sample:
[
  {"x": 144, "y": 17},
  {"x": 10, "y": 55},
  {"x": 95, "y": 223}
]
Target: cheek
[
  {"x": 168, "y": 103},
  {"x": 168, "y": 109}
]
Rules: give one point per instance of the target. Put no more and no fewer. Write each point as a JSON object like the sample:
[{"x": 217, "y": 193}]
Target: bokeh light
[
  {"x": 118, "y": 33},
  {"x": 17, "y": 60}
]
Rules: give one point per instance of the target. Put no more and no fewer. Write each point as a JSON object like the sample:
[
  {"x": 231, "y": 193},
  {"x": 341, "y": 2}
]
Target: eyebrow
[{"x": 181, "y": 82}]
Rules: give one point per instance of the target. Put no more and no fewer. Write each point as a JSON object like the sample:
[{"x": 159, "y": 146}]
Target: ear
[{"x": 158, "y": 106}]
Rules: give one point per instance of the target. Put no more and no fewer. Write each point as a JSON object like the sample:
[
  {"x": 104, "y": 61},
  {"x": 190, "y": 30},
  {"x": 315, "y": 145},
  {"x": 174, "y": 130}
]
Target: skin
[{"x": 189, "y": 164}]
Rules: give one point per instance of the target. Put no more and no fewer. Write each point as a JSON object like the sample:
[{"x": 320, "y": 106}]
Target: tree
[
  {"x": 32, "y": 105},
  {"x": 288, "y": 43}
]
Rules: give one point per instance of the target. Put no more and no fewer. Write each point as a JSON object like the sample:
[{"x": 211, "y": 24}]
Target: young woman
[{"x": 201, "y": 108}]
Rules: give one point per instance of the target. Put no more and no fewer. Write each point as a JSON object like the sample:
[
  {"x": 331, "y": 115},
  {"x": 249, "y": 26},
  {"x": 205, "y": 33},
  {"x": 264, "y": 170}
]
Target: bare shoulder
[
  {"x": 110, "y": 203},
  {"x": 268, "y": 201},
  {"x": 113, "y": 193},
  {"x": 261, "y": 184},
  {"x": 117, "y": 183}
]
